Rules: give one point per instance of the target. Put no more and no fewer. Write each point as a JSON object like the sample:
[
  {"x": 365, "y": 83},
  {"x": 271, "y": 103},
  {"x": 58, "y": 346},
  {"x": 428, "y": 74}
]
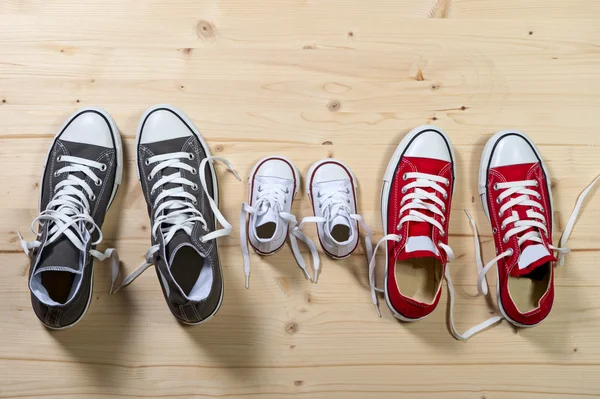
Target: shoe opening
[
  {"x": 192, "y": 273},
  {"x": 527, "y": 290},
  {"x": 419, "y": 278}
]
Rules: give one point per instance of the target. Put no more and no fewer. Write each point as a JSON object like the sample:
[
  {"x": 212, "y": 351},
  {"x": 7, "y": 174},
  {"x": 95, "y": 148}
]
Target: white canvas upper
[
  {"x": 331, "y": 192},
  {"x": 331, "y": 188},
  {"x": 273, "y": 184}
]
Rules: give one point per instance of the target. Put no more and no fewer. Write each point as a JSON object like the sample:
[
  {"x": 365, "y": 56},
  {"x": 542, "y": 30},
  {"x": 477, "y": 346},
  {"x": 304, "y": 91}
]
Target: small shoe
[
  {"x": 81, "y": 176},
  {"x": 514, "y": 187},
  {"x": 273, "y": 184},
  {"x": 331, "y": 188},
  {"x": 180, "y": 186},
  {"x": 415, "y": 210}
]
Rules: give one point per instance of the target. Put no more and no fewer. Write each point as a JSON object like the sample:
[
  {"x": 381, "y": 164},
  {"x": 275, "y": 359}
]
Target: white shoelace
[
  {"x": 414, "y": 202},
  {"x": 271, "y": 198},
  {"x": 68, "y": 213},
  {"x": 180, "y": 204},
  {"x": 334, "y": 202},
  {"x": 527, "y": 197}
]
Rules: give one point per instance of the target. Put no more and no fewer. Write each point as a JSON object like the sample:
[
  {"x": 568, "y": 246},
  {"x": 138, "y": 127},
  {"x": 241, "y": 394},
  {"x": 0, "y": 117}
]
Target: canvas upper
[
  {"x": 81, "y": 175},
  {"x": 179, "y": 184}
]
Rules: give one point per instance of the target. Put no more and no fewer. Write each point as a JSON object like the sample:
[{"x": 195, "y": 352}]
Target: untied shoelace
[
  {"x": 271, "y": 198},
  {"x": 414, "y": 202},
  {"x": 536, "y": 220},
  {"x": 180, "y": 204},
  {"x": 334, "y": 201},
  {"x": 68, "y": 213}
]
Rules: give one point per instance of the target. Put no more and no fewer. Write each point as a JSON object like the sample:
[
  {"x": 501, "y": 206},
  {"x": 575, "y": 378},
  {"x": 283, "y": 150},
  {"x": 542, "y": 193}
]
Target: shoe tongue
[
  {"x": 179, "y": 240},
  {"x": 340, "y": 220},
  {"x": 61, "y": 253},
  {"x": 270, "y": 216},
  {"x": 532, "y": 256},
  {"x": 419, "y": 247}
]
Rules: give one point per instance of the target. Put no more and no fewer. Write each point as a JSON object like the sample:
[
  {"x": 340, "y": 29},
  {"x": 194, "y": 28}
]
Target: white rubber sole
[
  {"x": 191, "y": 124},
  {"x": 309, "y": 175},
  {"x": 482, "y": 187},
  {"x": 117, "y": 183},
  {"x": 252, "y": 174},
  {"x": 385, "y": 191}
]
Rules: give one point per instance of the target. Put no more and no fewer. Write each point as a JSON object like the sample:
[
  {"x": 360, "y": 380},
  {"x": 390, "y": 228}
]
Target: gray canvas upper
[
  {"x": 56, "y": 265},
  {"x": 189, "y": 270}
]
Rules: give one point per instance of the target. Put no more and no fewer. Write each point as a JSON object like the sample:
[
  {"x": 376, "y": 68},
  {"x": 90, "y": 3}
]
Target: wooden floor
[{"x": 306, "y": 79}]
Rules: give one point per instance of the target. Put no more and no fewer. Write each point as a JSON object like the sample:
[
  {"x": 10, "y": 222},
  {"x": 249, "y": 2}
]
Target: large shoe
[
  {"x": 514, "y": 187},
  {"x": 415, "y": 210},
  {"x": 81, "y": 176},
  {"x": 179, "y": 183}
]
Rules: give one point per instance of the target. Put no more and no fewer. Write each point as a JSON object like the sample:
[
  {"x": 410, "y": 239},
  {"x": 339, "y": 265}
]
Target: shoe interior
[
  {"x": 526, "y": 291},
  {"x": 419, "y": 278},
  {"x": 192, "y": 273},
  {"x": 340, "y": 233},
  {"x": 58, "y": 285},
  {"x": 266, "y": 231}
]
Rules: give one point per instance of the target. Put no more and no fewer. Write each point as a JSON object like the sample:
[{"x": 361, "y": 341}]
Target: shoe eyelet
[
  {"x": 56, "y": 174},
  {"x": 59, "y": 158},
  {"x": 447, "y": 183},
  {"x": 147, "y": 162},
  {"x": 195, "y": 187},
  {"x": 191, "y": 156},
  {"x": 539, "y": 197},
  {"x": 320, "y": 205},
  {"x": 194, "y": 202},
  {"x": 505, "y": 240},
  {"x": 445, "y": 196},
  {"x": 511, "y": 252},
  {"x": 194, "y": 171},
  {"x": 495, "y": 230},
  {"x": 442, "y": 234},
  {"x": 443, "y": 219},
  {"x": 496, "y": 186},
  {"x": 259, "y": 189},
  {"x": 92, "y": 197},
  {"x": 403, "y": 190},
  {"x": 287, "y": 191},
  {"x": 152, "y": 192},
  {"x": 440, "y": 243},
  {"x": 150, "y": 177},
  {"x": 348, "y": 201},
  {"x": 542, "y": 209},
  {"x": 347, "y": 191},
  {"x": 443, "y": 208},
  {"x": 500, "y": 214},
  {"x": 404, "y": 176},
  {"x": 98, "y": 182},
  {"x": 498, "y": 201},
  {"x": 537, "y": 184},
  {"x": 103, "y": 167},
  {"x": 318, "y": 195}
]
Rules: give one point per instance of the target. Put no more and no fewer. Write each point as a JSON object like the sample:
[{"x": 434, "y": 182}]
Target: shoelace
[
  {"x": 334, "y": 202},
  {"x": 68, "y": 213},
  {"x": 414, "y": 202},
  {"x": 536, "y": 220},
  {"x": 178, "y": 211},
  {"x": 271, "y": 198}
]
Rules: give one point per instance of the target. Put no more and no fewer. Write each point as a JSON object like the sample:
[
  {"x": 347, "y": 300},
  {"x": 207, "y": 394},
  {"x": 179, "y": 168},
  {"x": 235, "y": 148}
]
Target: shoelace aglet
[
  {"x": 315, "y": 276},
  {"x": 23, "y": 243},
  {"x": 247, "y": 280},
  {"x": 377, "y": 309}
]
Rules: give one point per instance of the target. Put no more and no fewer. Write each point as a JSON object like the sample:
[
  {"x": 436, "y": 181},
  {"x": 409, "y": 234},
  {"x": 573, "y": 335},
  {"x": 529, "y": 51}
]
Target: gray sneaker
[
  {"x": 80, "y": 180},
  {"x": 179, "y": 183}
]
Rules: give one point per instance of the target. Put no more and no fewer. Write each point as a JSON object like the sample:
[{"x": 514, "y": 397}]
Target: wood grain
[{"x": 307, "y": 80}]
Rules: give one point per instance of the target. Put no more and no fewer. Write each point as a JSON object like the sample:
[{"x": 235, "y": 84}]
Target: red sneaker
[
  {"x": 514, "y": 187},
  {"x": 415, "y": 210}
]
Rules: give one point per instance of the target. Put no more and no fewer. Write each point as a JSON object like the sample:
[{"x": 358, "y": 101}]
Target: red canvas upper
[
  {"x": 508, "y": 266},
  {"x": 408, "y": 307}
]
